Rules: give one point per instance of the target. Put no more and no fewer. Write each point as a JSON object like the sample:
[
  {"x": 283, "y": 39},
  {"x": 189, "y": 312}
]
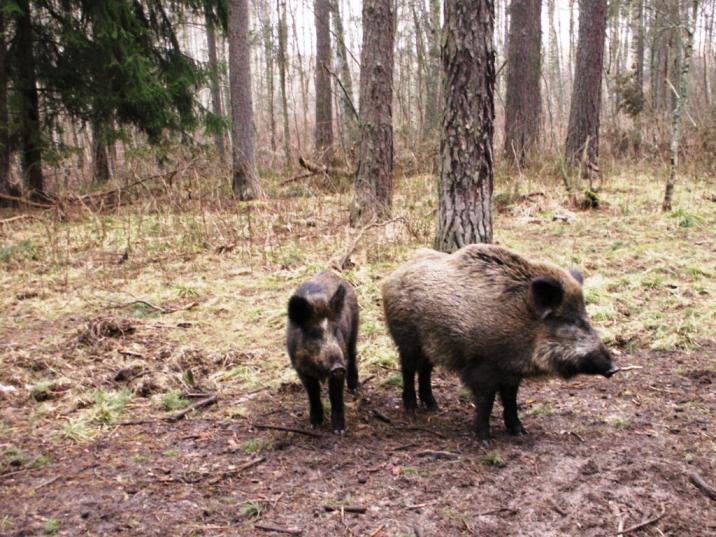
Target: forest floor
[{"x": 114, "y": 321}]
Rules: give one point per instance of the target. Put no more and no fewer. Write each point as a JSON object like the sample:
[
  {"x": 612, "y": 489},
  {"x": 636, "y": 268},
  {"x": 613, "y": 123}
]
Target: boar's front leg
[
  {"x": 508, "y": 395},
  {"x": 313, "y": 389},
  {"x": 425, "y": 389},
  {"x": 352, "y": 373},
  {"x": 335, "y": 392},
  {"x": 481, "y": 380}
]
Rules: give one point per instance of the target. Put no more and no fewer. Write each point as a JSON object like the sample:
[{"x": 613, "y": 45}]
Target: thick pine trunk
[
  {"x": 282, "y": 70},
  {"x": 29, "y": 109},
  {"x": 215, "y": 86},
  {"x": 524, "y": 100},
  {"x": 583, "y": 127},
  {"x": 4, "y": 134},
  {"x": 689, "y": 26},
  {"x": 324, "y": 98},
  {"x": 466, "y": 152},
  {"x": 245, "y": 178},
  {"x": 374, "y": 182}
]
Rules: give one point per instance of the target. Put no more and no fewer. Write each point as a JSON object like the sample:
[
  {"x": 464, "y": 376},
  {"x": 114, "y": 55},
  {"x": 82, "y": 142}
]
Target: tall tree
[
  {"x": 4, "y": 127},
  {"x": 267, "y": 34},
  {"x": 282, "y": 60},
  {"x": 523, "y": 102},
  {"x": 215, "y": 85},
  {"x": 638, "y": 48},
  {"x": 374, "y": 182},
  {"x": 688, "y": 27},
  {"x": 432, "y": 82},
  {"x": 245, "y": 177},
  {"x": 324, "y": 98},
  {"x": 349, "y": 119},
  {"x": 29, "y": 102},
  {"x": 466, "y": 151},
  {"x": 583, "y": 126},
  {"x": 100, "y": 158}
]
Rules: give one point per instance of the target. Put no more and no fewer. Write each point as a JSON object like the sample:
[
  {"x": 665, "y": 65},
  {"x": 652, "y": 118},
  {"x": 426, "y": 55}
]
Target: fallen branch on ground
[
  {"x": 345, "y": 508},
  {"x": 702, "y": 485},
  {"x": 290, "y": 531},
  {"x": 287, "y": 430},
  {"x": 326, "y": 170},
  {"x": 645, "y": 523},
  {"x": 194, "y": 406}
]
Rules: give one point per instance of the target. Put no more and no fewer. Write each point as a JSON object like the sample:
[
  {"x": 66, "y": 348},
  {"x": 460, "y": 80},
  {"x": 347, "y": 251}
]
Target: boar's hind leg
[
  {"x": 508, "y": 395},
  {"x": 335, "y": 392},
  {"x": 313, "y": 389},
  {"x": 425, "y": 389}
]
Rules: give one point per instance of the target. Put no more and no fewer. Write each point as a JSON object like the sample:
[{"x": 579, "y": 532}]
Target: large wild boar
[
  {"x": 321, "y": 338},
  {"x": 493, "y": 316}
]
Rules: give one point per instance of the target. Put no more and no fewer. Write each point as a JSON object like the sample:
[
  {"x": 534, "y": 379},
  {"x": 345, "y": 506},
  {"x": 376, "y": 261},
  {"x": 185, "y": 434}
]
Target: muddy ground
[{"x": 601, "y": 456}]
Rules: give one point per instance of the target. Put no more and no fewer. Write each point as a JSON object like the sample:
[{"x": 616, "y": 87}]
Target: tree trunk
[
  {"x": 349, "y": 120},
  {"x": 282, "y": 69},
  {"x": 245, "y": 178},
  {"x": 215, "y": 87},
  {"x": 556, "y": 83},
  {"x": 29, "y": 108},
  {"x": 466, "y": 153},
  {"x": 689, "y": 26},
  {"x": 523, "y": 102},
  {"x": 583, "y": 126},
  {"x": 432, "y": 83},
  {"x": 100, "y": 159},
  {"x": 324, "y": 99},
  {"x": 4, "y": 127},
  {"x": 374, "y": 182},
  {"x": 638, "y": 46},
  {"x": 267, "y": 32}
]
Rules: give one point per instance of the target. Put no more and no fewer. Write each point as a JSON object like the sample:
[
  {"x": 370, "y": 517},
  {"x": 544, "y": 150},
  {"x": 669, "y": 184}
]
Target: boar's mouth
[{"x": 609, "y": 373}]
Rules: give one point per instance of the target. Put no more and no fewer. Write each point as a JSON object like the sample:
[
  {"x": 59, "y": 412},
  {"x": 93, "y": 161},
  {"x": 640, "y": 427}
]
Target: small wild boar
[
  {"x": 494, "y": 317},
  {"x": 321, "y": 338}
]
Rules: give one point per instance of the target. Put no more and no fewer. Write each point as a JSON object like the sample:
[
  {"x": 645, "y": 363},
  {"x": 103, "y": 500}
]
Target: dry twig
[
  {"x": 290, "y": 531},
  {"x": 645, "y": 523},
  {"x": 345, "y": 508},
  {"x": 194, "y": 406},
  {"x": 702, "y": 485},
  {"x": 287, "y": 430}
]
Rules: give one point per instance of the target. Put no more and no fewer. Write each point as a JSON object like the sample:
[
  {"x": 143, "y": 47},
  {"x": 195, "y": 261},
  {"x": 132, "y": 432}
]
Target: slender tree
[
  {"x": 374, "y": 182},
  {"x": 324, "y": 97},
  {"x": 100, "y": 158},
  {"x": 215, "y": 85},
  {"x": 466, "y": 151},
  {"x": 688, "y": 27},
  {"x": 432, "y": 82},
  {"x": 29, "y": 102},
  {"x": 267, "y": 34},
  {"x": 583, "y": 126},
  {"x": 282, "y": 60},
  {"x": 245, "y": 177},
  {"x": 4, "y": 127},
  {"x": 349, "y": 119},
  {"x": 523, "y": 102}
]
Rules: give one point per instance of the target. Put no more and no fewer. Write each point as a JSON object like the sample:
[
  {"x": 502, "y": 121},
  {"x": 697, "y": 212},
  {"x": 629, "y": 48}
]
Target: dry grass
[{"x": 198, "y": 301}]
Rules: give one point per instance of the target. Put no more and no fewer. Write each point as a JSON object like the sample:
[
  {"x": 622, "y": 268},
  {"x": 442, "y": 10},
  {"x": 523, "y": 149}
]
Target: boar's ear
[
  {"x": 337, "y": 300},
  {"x": 299, "y": 310},
  {"x": 547, "y": 294},
  {"x": 577, "y": 275}
]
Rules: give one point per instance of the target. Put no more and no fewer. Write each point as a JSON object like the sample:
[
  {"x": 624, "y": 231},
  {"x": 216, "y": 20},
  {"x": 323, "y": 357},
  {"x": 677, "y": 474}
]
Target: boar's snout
[
  {"x": 599, "y": 362},
  {"x": 338, "y": 371}
]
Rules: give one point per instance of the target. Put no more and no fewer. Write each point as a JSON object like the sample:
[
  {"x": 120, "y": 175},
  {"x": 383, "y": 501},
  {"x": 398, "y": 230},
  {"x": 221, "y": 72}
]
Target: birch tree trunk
[
  {"x": 466, "y": 152},
  {"x": 245, "y": 177},
  {"x": 374, "y": 182},
  {"x": 688, "y": 27}
]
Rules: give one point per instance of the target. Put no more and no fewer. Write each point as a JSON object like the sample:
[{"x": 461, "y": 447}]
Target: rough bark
[
  {"x": 29, "y": 107},
  {"x": 466, "y": 151},
  {"x": 324, "y": 99},
  {"x": 282, "y": 70},
  {"x": 523, "y": 101},
  {"x": 688, "y": 28},
  {"x": 556, "y": 84},
  {"x": 4, "y": 127},
  {"x": 432, "y": 82},
  {"x": 215, "y": 86},
  {"x": 100, "y": 159},
  {"x": 245, "y": 178},
  {"x": 638, "y": 47},
  {"x": 267, "y": 33},
  {"x": 583, "y": 126},
  {"x": 374, "y": 181},
  {"x": 349, "y": 121}
]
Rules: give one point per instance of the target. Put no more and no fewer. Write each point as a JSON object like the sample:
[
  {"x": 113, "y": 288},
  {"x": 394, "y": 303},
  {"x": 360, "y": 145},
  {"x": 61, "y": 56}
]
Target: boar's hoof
[
  {"x": 430, "y": 406},
  {"x": 339, "y": 432},
  {"x": 516, "y": 429}
]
